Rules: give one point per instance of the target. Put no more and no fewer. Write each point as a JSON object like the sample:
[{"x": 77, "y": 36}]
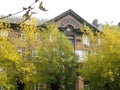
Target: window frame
[
  {"x": 82, "y": 54},
  {"x": 21, "y": 51},
  {"x": 34, "y": 53},
  {"x": 85, "y": 41},
  {"x": 21, "y": 36}
]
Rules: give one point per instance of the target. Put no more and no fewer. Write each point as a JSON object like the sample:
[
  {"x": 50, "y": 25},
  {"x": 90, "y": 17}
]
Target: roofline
[{"x": 75, "y": 16}]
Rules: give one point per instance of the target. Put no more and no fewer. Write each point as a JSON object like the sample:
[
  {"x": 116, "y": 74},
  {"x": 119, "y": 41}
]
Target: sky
[{"x": 106, "y": 11}]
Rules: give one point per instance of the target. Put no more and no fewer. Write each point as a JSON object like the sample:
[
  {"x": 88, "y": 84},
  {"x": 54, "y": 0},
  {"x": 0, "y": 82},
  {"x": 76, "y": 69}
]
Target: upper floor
[{"x": 70, "y": 23}]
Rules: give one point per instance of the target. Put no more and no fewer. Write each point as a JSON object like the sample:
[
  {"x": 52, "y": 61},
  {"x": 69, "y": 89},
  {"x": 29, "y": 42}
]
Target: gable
[{"x": 71, "y": 18}]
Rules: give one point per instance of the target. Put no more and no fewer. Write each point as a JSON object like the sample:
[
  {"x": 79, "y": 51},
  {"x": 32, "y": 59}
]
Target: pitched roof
[
  {"x": 76, "y": 16},
  {"x": 18, "y": 19}
]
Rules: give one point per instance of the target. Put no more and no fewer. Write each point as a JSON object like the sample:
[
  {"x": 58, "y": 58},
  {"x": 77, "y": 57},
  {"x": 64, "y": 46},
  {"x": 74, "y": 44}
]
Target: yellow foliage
[{"x": 102, "y": 67}]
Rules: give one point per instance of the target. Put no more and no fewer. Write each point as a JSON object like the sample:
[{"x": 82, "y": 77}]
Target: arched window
[{"x": 69, "y": 28}]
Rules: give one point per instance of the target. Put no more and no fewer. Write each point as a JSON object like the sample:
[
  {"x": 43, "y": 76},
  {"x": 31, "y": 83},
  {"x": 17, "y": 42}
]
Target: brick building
[{"x": 71, "y": 24}]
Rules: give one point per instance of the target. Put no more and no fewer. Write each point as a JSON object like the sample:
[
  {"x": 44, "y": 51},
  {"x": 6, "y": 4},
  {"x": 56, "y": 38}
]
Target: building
[{"x": 69, "y": 23}]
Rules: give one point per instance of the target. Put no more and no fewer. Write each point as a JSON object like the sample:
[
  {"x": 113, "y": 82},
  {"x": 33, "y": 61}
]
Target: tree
[
  {"x": 102, "y": 69},
  {"x": 27, "y": 40},
  {"x": 57, "y": 61},
  {"x": 10, "y": 60},
  {"x": 29, "y": 11},
  {"x": 36, "y": 50},
  {"x": 16, "y": 68},
  {"x": 24, "y": 73}
]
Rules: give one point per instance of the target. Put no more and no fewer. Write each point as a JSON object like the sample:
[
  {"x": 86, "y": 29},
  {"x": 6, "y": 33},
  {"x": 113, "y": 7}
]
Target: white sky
[{"x": 103, "y": 10}]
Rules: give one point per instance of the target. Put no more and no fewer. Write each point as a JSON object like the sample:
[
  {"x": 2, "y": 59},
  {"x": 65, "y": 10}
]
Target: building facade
[{"x": 71, "y": 24}]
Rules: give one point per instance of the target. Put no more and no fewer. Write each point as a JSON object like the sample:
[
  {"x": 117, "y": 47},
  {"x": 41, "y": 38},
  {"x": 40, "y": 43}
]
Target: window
[
  {"x": 4, "y": 33},
  {"x": 86, "y": 87},
  {"x": 51, "y": 38},
  {"x": 86, "y": 41},
  {"x": 40, "y": 86},
  {"x": 21, "y": 51},
  {"x": 81, "y": 54},
  {"x": 37, "y": 37},
  {"x": 21, "y": 36},
  {"x": 71, "y": 39},
  {"x": 69, "y": 28},
  {"x": 37, "y": 86},
  {"x": 100, "y": 41},
  {"x": 34, "y": 53},
  {"x": 78, "y": 40}
]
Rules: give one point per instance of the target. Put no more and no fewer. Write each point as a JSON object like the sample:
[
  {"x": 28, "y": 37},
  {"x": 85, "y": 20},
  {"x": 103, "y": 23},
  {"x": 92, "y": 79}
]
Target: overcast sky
[{"x": 103, "y": 10}]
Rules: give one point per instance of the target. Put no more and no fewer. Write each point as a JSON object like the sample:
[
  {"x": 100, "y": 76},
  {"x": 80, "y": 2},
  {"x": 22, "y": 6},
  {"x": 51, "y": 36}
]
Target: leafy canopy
[{"x": 102, "y": 68}]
